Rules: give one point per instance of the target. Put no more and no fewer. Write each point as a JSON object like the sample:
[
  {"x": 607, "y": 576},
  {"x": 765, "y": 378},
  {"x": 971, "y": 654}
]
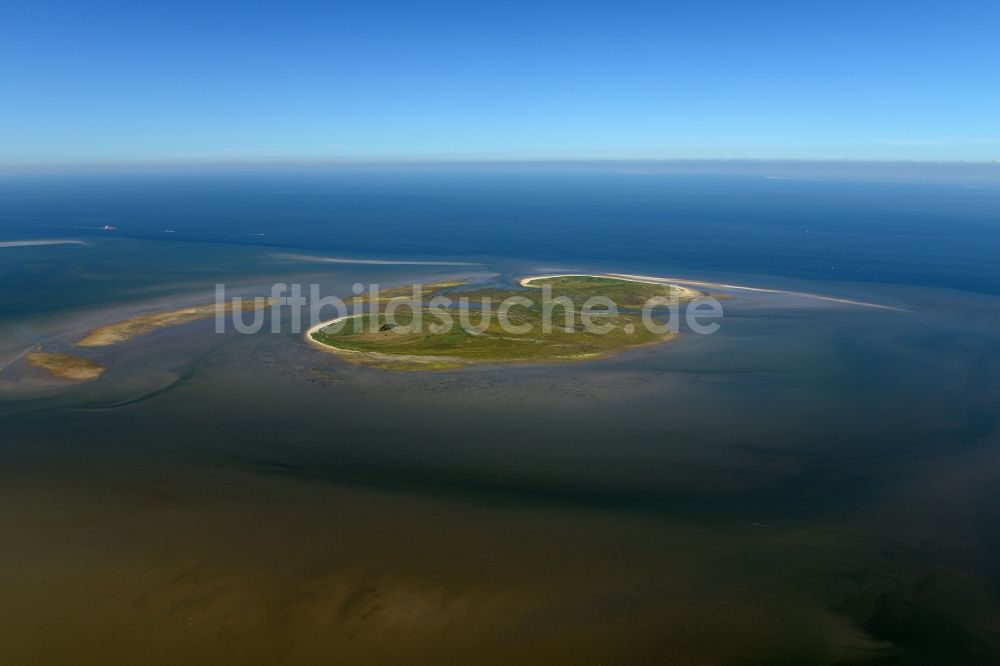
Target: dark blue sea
[{"x": 919, "y": 233}]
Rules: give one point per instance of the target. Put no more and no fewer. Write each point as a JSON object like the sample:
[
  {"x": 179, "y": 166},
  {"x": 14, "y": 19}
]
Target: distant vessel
[
  {"x": 108, "y": 227},
  {"x": 168, "y": 231}
]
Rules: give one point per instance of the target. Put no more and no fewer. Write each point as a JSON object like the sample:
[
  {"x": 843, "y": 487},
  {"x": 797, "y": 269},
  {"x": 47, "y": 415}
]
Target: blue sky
[{"x": 105, "y": 81}]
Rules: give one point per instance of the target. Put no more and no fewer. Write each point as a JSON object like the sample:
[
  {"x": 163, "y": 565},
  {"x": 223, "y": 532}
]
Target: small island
[
  {"x": 415, "y": 340},
  {"x": 66, "y": 366},
  {"x": 123, "y": 331}
]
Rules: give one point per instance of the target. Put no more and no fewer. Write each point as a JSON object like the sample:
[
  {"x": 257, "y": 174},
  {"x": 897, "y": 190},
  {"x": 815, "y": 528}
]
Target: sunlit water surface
[{"x": 814, "y": 482}]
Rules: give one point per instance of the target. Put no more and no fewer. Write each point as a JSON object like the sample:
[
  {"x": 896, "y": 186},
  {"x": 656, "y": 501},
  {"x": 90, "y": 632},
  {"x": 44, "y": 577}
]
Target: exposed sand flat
[
  {"x": 143, "y": 324},
  {"x": 372, "y": 262},
  {"x": 66, "y": 366},
  {"x": 33, "y": 243},
  {"x": 686, "y": 292},
  {"x": 783, "y": 292}
]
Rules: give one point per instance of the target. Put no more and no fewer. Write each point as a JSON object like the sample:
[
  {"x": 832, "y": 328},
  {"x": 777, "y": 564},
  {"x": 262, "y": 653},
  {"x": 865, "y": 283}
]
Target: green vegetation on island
[{"x": 476, "y": 328}]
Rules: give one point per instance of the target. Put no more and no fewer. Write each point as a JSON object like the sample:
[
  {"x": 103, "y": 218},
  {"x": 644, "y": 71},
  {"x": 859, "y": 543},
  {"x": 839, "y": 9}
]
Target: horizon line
[{"x": 403, "y": 160}]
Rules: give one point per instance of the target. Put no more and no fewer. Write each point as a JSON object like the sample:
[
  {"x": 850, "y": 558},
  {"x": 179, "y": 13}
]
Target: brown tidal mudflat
[
  {"x": 264, "y": 571},
  {"x": 701, "y": 502}
]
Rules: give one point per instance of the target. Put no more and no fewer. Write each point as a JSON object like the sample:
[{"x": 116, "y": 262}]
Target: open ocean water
[{"x": 813, "y": 483}]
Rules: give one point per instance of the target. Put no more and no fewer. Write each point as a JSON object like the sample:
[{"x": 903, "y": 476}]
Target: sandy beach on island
[
  {"x": 323, "y": 324},
  {"x": 398, "y": 359},
  {"x": 685, "y": 292},
  {"x": 370, "y": 262}
]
